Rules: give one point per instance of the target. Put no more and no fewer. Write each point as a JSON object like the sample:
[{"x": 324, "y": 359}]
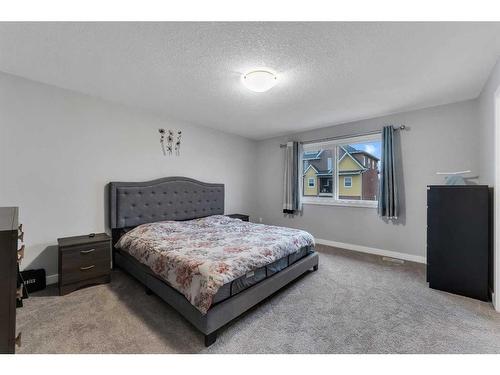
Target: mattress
[
  {"x": 213, "y": 258},
  {"x": 253, "y": 277}
]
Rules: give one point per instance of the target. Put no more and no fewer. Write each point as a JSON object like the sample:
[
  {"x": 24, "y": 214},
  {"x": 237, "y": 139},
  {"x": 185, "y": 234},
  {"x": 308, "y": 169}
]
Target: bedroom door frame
[{"x": 496, "y": 252}]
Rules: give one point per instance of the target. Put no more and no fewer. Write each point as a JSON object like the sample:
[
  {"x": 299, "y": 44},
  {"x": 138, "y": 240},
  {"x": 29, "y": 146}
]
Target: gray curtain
[
  {"x": 291, "y": 194},
  {"x": 388, "y": 199}
]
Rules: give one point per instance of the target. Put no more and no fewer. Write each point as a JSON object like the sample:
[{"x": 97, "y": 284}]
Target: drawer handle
[
  {"x": 20, "y": 254},
  {"x": 87, "y": 251},
  {"x": 87, "y": 268}
]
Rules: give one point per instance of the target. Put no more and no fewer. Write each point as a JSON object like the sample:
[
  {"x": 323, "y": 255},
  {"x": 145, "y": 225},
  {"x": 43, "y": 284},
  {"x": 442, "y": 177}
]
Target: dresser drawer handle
[
  {"x": 87, "y": 251},
  {"x": 87, "y": 268},
  {"x": 20, "y": 254}
]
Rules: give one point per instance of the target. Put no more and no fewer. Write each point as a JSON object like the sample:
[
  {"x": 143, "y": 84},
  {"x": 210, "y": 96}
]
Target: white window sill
[{"x": 342, "y": 203}]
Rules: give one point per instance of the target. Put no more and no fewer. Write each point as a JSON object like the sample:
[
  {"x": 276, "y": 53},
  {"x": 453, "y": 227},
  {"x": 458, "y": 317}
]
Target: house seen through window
[{"x": 346, "y": 170}]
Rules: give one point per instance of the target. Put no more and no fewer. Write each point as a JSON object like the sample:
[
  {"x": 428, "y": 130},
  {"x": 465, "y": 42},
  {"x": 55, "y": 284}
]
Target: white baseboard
[
  {"x": 372, "y": 250},
  {"x": 52, "y": 279},
  {"x": 495, "y": 303}
]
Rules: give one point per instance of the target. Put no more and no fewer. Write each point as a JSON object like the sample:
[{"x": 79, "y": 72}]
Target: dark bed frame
[{"x": 182, "y": 198}]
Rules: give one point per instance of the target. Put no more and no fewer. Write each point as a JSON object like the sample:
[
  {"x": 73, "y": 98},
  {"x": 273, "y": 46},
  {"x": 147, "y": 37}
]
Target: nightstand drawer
[
  {"x": 85, "y": 270},
  {"x": 85, "y": 262},
  {"x": 78, "y": 255}
]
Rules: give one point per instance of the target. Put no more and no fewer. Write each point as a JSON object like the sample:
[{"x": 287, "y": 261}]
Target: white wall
[
  {"x": 490, "y": 157},
  {"x": 487, "y": 126},
  {"x": 440, "y": 138},
  {"x": 58, "y": 150}
]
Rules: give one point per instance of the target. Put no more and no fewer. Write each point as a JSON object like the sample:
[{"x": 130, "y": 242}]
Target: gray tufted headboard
[{"x": 169, "y": 198}]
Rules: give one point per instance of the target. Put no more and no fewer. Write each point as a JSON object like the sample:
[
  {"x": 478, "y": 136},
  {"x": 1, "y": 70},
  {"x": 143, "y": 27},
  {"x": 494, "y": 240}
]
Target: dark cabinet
[
  {"x": 459, "y": 239},
  {"x": 84, "y": 260},
  {"x": 8, "y": 278}
]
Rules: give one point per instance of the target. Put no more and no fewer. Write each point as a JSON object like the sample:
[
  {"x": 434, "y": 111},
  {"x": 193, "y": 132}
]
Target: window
[
  {"x": 317, "y": 172},
  {"x": 342, "y": 172}
]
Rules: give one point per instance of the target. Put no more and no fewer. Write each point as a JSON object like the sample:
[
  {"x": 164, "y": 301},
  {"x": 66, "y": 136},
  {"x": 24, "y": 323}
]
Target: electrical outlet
[{"x": 260, "y": 220}]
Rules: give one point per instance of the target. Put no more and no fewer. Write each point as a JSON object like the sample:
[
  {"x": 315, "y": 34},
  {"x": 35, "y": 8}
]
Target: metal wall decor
[{"x": 167, "y": 142}]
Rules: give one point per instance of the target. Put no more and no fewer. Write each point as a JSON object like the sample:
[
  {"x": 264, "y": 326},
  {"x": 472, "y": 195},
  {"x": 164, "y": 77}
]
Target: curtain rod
[{"x": 401, "y": 127}]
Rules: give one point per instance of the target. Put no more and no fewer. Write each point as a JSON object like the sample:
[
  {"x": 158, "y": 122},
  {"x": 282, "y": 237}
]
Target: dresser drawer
[{"x": 85, "y": 262}]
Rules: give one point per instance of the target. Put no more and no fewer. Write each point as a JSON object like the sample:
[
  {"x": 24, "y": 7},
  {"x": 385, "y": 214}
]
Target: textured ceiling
[{"x": 329, "y": 73}]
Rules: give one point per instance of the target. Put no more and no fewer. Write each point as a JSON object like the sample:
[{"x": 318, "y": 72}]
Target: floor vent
[{"x": 393, "y": 260}]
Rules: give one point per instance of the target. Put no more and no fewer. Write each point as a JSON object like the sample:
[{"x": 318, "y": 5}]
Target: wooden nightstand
[
  {"x": 239, "y": 216},
  {"x": 83, "y": 261}
]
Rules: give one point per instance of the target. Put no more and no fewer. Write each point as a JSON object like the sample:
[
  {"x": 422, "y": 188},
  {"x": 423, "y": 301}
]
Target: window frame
[
  {"x": 350, "y": 183},
  {"x": 309, "y": 179},
  {"x": 334, "y": 201}
]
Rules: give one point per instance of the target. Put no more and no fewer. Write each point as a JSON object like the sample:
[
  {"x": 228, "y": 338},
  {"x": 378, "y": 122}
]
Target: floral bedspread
[{"x": 197, "y": 257}]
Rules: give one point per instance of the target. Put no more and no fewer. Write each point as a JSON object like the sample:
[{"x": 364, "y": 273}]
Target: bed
[{"x": 171, "y": 235}]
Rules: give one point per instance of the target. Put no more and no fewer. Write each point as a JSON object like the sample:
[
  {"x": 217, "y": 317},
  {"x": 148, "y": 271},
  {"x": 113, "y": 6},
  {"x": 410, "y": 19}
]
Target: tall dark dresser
[
  {"x": 8, "y": 277},
  {"x": 459, "y": 239}
]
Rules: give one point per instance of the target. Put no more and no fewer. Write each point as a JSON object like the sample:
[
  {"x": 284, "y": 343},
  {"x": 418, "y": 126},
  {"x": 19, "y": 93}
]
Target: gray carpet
[{"x": 355, "y": 303}]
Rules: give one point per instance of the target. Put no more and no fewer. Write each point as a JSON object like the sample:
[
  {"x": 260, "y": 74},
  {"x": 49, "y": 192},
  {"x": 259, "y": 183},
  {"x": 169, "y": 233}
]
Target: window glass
[
  {"x": 358, "y": 170},
  {"x": 341, "y": 170},
  {"x": 317, "y": 172}
]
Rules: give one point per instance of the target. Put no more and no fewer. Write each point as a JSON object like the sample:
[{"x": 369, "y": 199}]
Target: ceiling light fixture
[{"x": 259, "y": 80}]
